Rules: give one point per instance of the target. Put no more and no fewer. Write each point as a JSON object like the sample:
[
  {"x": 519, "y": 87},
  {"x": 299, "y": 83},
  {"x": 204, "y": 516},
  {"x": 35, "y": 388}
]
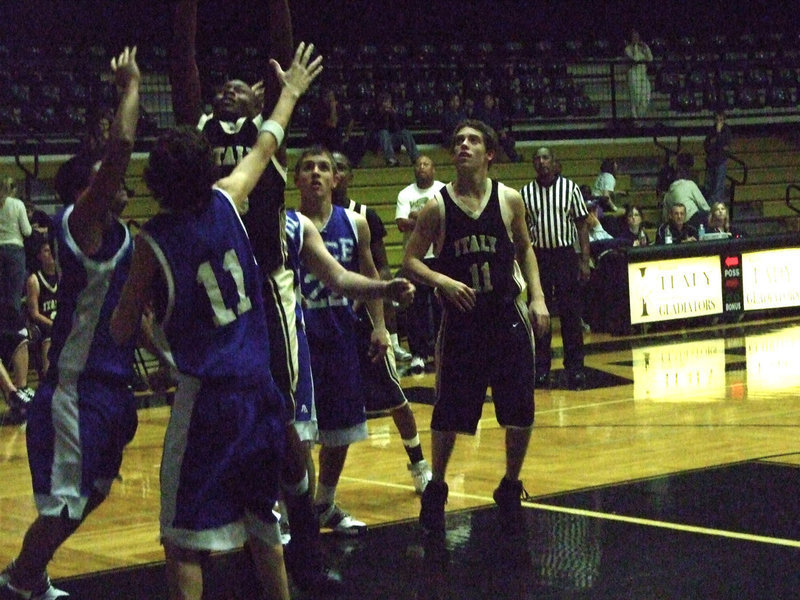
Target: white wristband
[{"x": 275, "y": 129}]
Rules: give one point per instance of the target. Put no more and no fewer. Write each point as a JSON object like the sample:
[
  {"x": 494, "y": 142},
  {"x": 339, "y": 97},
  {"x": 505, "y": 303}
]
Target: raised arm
[
  {"x": 295, "y": 82},
  {"x": 184, "y": 75},
  {"x": 281, "y": 46},
  {"x": 90, "y": 217},
  {"x": 343, "y": 282}
]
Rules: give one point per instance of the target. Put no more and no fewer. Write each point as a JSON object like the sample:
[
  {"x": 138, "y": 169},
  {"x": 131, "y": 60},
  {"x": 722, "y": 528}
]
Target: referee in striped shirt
[{"x": 556, "y": 216}]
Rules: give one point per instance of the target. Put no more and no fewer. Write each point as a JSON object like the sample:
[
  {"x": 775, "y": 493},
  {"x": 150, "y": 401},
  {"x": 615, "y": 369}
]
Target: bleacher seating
[
  {"x": 556, "y": 85},
  {"x": 560, "y": 82}
]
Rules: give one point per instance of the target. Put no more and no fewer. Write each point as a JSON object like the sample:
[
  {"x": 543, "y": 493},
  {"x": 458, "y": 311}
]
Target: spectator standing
[
  {"x": 684, "y": 191},
  {"x": 716, "y": 144},
  {"x": 388, "y": 125},
  {"x": 556, "y": 214},
  {"x": 638, "y": 54},
  {"x": 423, "y": 316},
  {"x": 14, "y": 228}
]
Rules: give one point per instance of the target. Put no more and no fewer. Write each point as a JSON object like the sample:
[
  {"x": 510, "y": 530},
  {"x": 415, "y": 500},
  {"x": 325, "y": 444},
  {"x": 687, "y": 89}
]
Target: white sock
[{"x": 411, "y": 442}]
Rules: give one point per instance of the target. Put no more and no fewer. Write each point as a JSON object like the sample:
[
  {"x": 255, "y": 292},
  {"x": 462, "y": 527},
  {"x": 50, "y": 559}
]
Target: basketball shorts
[
  {"x": 76, "y": 434},
  {"x": 221, "y": 465},
  {"x": 338, "y": 394},
  {"x": 380, "y": 382},
  {"x": 493, "y": 348}
]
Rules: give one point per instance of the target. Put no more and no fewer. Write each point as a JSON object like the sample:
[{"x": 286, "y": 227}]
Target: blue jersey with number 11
[{"x": 213, "y": 325}]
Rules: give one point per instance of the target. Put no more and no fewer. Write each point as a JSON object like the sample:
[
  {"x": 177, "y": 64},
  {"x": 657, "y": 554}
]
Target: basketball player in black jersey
[
  {"x": 232, "y": 129},
  {"x": 484, "y": 263},
  {"x": 401, "y": 412}
]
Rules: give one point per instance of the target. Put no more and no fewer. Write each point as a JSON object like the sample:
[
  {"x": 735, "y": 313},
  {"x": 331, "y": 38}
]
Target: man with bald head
[
  {"x": 423, "y": 314},
  {"x": 556, "y": 215}
]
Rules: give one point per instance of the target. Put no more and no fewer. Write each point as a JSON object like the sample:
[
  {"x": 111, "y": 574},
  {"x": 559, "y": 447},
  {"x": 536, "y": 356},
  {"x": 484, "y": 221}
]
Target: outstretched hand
[
  {"x": 125, "y": 68},
  {"x": 301, "y": 72},
  {"x": 401, "y": 290}
]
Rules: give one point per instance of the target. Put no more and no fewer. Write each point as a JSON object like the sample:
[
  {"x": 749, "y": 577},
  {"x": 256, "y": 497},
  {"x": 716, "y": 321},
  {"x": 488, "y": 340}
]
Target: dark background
[{"x": 48, "y": 23}]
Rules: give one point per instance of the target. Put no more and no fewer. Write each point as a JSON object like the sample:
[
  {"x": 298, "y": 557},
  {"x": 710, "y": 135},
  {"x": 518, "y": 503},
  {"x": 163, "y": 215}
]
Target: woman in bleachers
[
  {"x": 634, "y": 232},
  {"x": 719, "y": 221}
]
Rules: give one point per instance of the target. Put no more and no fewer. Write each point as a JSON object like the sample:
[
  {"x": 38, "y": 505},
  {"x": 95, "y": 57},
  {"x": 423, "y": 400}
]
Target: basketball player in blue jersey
[
  {"x": 83, "y": 413},
  {"x": 305, "y": 246},
  {"x": 485, "y": 262},
  {"x": 224, "y": 444},
  {"x": 232, "y": 130},
  {"x": 334, "y": 339}
]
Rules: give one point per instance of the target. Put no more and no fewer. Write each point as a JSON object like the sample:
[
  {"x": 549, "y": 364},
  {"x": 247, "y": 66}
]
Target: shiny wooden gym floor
[{"x": 676, "y": 474}]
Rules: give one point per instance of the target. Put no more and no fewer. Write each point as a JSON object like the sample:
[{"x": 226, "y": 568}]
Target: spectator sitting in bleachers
[
  {"x": 596, "y": 231},
  {"x": 676, "y": 230},
  {"x": 42, "y": 302},
  {"x": 39, "y": 220},
  {"x": 390, "y": 130},
  {"x": 719, "y": 221},
  {"x": 491, "y": 113},
  {"x": 608, "y": 221},
  {"x": 452, "y": 115},
  {"x": 605, "y": 185},
  {"x": 331, "y": 126},
  {"x": 685, "y": 192},
  {"x": 469, "y": 109},
  {"x": 634, "y": 232}
]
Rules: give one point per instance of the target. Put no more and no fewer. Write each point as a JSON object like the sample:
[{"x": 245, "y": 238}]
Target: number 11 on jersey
[
  {"x": 481, "y": 279},
  {"x": 205, "y": 275}
]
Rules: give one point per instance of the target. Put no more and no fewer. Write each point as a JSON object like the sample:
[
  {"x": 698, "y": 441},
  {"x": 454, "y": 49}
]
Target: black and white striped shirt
[{"x": 551, "y": 212}]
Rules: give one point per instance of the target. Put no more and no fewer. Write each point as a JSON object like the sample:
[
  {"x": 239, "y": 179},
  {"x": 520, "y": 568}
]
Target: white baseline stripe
[
  {"x": 737, "y": 535},
  {"x": 667, "y": 525}
]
